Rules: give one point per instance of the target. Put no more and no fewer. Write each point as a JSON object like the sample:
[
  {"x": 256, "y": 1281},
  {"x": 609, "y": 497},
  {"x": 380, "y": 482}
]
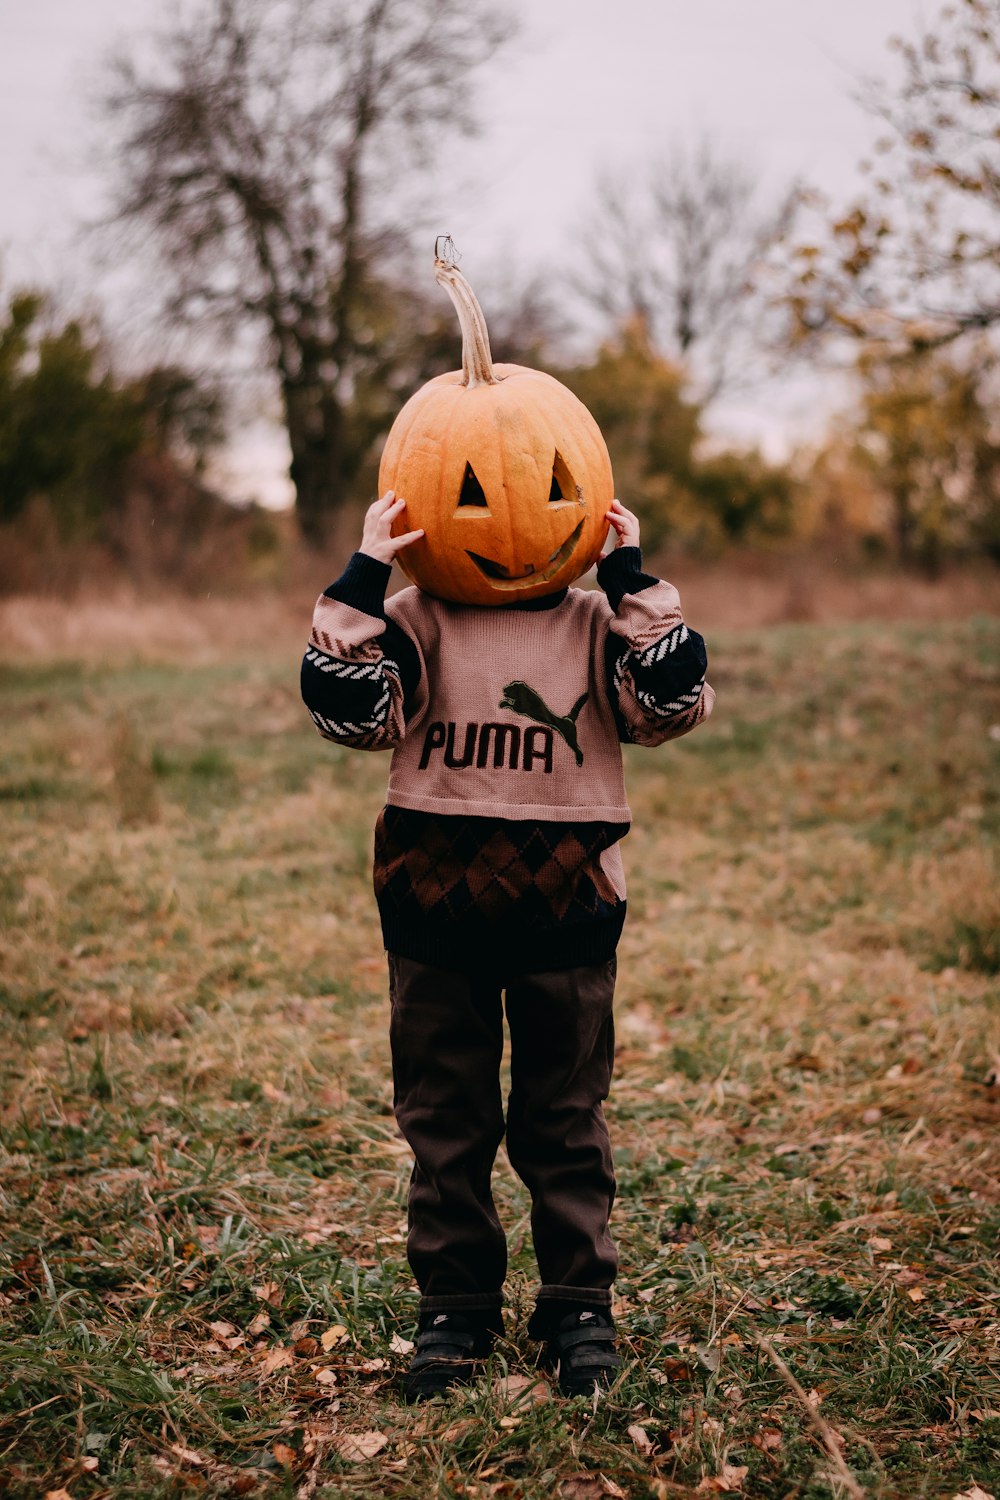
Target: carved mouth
[{"x": 503, "y": 578}]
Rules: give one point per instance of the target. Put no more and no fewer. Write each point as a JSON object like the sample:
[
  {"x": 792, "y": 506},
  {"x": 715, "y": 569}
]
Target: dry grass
[
  {"x": 201, "y": 1175},
  {"x": 115, "y": 622}
]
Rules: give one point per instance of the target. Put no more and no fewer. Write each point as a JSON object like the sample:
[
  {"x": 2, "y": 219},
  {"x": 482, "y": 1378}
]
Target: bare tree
[
  {"x": 264, "y": 145},
  {"x": 678, "y": 252},
  {"x": 914, "y": 263}
]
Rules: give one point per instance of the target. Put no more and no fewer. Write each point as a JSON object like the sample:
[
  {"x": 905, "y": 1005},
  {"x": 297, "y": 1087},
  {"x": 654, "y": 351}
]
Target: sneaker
[
  {"x": 582, "y": 1350},
  {"x": 450, "y": 1350}
]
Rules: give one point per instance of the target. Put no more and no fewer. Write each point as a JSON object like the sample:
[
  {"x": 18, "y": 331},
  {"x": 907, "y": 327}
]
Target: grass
[{"x": 203, "y": 1286}]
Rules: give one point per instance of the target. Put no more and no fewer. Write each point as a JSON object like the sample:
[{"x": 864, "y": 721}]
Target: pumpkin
[{"x": 503, "y": 467}]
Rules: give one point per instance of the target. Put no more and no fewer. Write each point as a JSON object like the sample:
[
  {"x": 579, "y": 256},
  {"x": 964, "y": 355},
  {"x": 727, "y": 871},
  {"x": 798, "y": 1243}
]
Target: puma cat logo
[{"x": 522, "y": 699}]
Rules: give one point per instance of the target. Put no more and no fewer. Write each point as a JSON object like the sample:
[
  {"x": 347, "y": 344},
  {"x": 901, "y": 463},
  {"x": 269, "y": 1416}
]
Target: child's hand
[
  {"x": 625, "y": 524},
  {"x": 375, "y": 539}
]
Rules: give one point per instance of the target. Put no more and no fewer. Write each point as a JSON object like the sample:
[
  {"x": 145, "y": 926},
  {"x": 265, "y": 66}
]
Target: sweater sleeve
[
  {"x": 360, "y": 668},
  {"x": 655, "y": 663}
]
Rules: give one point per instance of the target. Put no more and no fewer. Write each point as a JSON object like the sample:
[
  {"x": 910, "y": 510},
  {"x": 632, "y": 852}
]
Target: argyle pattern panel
[{"x": 462, "y": 870}]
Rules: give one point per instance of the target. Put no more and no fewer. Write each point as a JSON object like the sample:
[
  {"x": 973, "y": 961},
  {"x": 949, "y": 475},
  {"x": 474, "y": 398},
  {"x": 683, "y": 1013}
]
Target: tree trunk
[
  {"x": 315, "y": 423},
  {"x": 902, "y": 520}
]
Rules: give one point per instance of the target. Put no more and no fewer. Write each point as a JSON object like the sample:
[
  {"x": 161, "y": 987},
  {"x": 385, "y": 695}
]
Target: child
[{"x": 498, "y": 869}]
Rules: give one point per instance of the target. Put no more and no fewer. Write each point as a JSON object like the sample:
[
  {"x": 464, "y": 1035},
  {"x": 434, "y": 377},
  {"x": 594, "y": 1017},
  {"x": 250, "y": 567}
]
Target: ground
[{"x": 203, "y": 1285}]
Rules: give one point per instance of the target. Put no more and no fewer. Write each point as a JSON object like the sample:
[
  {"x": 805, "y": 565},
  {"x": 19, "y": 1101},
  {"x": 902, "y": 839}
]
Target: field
[{"x": 203, "y": 1287}]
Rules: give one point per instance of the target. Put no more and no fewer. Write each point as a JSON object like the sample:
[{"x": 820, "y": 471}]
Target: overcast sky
[{"x": 590, "y": 84}]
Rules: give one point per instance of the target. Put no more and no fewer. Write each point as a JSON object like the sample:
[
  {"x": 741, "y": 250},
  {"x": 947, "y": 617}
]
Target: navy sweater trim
[
  {"x": 620, "y": 573},
  {"x": 362, "y": 585}
]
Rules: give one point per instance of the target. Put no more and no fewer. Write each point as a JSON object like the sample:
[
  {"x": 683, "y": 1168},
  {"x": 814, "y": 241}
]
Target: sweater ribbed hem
[{"x": 504, "y": 952}]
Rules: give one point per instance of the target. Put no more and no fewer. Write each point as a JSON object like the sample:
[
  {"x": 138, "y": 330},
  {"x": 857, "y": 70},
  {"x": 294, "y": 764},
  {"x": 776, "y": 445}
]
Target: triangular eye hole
[
  {"x": 563, "y": 487},
  {"x": 472, "y": 494}
]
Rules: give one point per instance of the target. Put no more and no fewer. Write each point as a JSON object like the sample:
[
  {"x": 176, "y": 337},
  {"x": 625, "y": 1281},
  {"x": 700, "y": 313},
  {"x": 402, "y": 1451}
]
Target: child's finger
[
  {"x": 378, "y": 506},
  {"x": 391, "y": 512},
  {"x": 407, "y": 537}
]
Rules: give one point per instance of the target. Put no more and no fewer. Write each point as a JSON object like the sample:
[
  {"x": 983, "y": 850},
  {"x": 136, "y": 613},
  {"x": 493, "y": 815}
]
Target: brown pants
[{"x": 446, "y": 1033}]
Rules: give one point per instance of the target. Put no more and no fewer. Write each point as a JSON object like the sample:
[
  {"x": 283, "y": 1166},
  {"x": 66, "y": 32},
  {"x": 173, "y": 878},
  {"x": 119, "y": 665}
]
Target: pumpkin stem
[{"x": 477, "y": 361}]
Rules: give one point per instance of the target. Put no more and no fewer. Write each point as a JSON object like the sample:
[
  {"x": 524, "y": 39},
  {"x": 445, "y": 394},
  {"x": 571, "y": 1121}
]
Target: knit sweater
[{"x": 506, "y": 801}]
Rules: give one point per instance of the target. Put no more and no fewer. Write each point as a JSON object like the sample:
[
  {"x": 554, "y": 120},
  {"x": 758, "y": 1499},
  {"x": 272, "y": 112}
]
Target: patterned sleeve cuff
[
  {"x": 362, "y": 585},
  {"x": 620, "y": 573}
]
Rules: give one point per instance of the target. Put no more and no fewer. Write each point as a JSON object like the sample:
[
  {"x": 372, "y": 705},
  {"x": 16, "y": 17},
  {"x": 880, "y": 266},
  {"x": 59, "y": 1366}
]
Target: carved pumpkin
[{"x": 502, "y": 466}]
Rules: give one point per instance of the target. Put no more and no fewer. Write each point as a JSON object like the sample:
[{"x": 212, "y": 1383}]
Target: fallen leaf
[
  {"x": 305, "y": 1348},
  {"x": 456, "y": 1431},
  {"x": 641, "y": 1438},
  {"x": 518, "y": 1388},
  {"x": 582, "y": 1487},
  {"x": 727, "y": 1483},
  {"x": 589, "y": 1487},
  {"x": 332, "y": 1336},
  {"x": 972, "y": 1493},
  {"x": 259, "y": 1323},
  {"x": 510, "y": 1421},
  {"x": 284, "y": 1455},
  {"x": 359, "y": 1447},
  {"x": 59, "y": 1494},
  {"x": 399, "y": 1345},
  {"x": 277, "y": 1358},
  {"x": 878, "y": 1244},
  {"x": 268, "y": 1291},
  {"x": 871, "y": 1116},
  {"x": 915, "y": 1294},
  {"x": 188, "y": 1455},
  {"x": 325, "y": 1377},
  {"x": 768, "y": 1440},
  {"x": 90, "y": 1465}
]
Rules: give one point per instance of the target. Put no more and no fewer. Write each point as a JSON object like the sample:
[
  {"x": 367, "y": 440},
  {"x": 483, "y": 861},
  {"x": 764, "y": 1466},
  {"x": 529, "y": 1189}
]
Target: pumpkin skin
[{"x": 508, "y": 476}]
